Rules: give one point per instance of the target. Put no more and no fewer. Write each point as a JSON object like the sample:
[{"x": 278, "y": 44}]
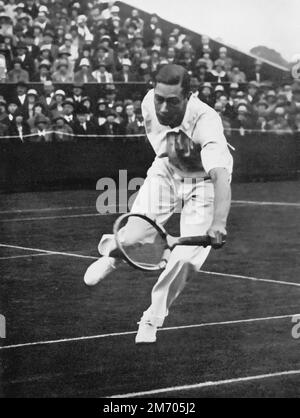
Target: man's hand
[
  {"x": 218, "y": 235},
  {"x": 217, "y": 231}
]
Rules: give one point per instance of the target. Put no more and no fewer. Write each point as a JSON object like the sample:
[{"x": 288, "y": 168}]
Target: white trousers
[{"x": 164, "y": 193}]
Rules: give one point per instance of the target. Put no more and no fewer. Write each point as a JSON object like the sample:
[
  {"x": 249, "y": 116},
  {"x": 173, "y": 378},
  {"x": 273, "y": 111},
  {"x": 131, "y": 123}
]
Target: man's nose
[{"x": 163, "y": 108}]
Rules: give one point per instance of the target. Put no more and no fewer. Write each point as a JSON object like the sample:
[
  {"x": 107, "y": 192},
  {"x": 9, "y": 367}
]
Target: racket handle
[
  {"x": 200, "y": 240},
  {"x": 204, "y": 241}
]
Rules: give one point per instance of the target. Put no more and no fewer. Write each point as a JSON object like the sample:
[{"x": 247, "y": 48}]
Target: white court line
[
  {"x": 258, "y": 203},
  {"x": 254, "y": 279},
  {"x": 118, "y": 334},
  {"x": 48, "y": 218},
  {"x": 83, "y": 215},
  {"x": 54, "y": 209},
  {"x": 208, "y": 384},
  {"x": 235, "y": 276},
  {"x": 24, "y": 256},
  {"x": 49, "y": 252}
]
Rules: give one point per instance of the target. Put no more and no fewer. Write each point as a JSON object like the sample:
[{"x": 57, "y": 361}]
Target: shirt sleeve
[{"x": 209, "y": 134}]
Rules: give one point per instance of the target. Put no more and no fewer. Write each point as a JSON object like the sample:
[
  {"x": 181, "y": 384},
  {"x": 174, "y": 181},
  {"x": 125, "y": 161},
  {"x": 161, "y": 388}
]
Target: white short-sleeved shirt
[{"x": 201, "y": 124}]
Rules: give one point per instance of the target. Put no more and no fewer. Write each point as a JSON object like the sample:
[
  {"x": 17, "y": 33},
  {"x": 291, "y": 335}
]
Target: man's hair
[{"x": 172, "y": 75}]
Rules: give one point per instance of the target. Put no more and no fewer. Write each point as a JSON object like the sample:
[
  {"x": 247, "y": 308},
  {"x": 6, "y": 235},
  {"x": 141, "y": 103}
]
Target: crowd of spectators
[{"x": 61, "y": 42}]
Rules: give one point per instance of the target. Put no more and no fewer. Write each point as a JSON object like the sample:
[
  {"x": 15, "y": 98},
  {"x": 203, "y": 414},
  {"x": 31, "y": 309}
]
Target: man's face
[
  {"x": 82, "y": 118},
  {"x": 170, "y": 104},
  {"x": 77, "y": 91},
  {"x": 12, "y": 108},
  {"x": 21, "y": 90},
  {"x": 68, "y": 109},
  {"x": 129, "y": 110}
]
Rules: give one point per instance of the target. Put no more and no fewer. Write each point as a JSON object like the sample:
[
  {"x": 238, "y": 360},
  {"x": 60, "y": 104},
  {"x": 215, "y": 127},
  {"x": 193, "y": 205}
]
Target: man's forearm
[{"x": 222, "y": 199}]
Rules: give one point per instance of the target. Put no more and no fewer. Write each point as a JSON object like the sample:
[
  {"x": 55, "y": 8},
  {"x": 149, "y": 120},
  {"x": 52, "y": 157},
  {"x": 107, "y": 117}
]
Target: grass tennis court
[{"x": 229, "y": 334}]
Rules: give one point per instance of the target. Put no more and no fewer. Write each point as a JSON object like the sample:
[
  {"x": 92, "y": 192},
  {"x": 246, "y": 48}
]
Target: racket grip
[
  {"x": 218, "y": 241},
  {"x": 201, "y": 241}
]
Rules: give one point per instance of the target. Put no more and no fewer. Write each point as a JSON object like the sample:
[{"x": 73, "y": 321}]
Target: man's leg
[
  {"x": 156, "y": 199},
  {"x": 196, "y": 218}
]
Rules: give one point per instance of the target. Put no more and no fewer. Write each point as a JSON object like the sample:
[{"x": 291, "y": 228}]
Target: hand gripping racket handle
[
  {"x": 203, "y": 241},
  {"x": 200, "y": 240}
]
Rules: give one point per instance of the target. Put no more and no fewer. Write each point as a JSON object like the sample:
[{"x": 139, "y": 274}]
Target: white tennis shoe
[
  {"x": 99, "y": 270},
  {"x": 146, "y": 333}
]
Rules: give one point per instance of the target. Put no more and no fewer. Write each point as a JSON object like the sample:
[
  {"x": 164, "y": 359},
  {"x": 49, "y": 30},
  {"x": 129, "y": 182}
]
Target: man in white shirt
[{"x": 170, "y": 112}]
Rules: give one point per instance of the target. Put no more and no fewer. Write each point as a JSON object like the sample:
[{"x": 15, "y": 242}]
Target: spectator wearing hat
[
  {"x": 101, "y": 74},
  {"x": 38, "y": 109},
  {"x": 135, "y": 17},
  {"x": 48, "y": 44},
  {"x": 18, "y": 128},
  {"x": 41, "y": 131},
  {"x": 77, "y": 93},
  {"x": 219, "y": 108},
  {"x": 47, "y": 97},
  {"x": 57, "y": 104},
  {"x": 3, "y": 113},
  {"x": 81, "y": 125},
  {"x": 126, "y": 75},
  {"x": 171, "y": 55},
  {"x": 63, "y": 74},
  {"x": 86, "y": 52},
  {"x": 25, "y": 58},
  {"x": 137, "y": 127},
  {"x": 144, "y": 73},
  {"x": 271, "y": 98},
  {"x": 20, "y": 94},
  {"x": 17, "y": 73},
  {"x": 236, "y": 75},
  {"x": 69, "y": 48},
  {"x": 233, "y": 89},
  {"x": 258, "y": 73},
  {"x": 103, "y": 55},
  {"x": 200, "y": 70},
  {"x": 206, "y": 94},
  {"x": 252, "y": 92},
  {"x": 261, "y": 109},
  {"x": 84, "y": 75},
  {"x": 69, "y": 111},
  {"x": 150, "y": 28},
  {"x": 28, "y": 39},
  {"x": 296, "y": 123},
  {"x": 62, "y": 131},
  {"x": 100, "y": 114},
  {"x": 12, "y": 108},
  {"x": 110, "y": 127},
  {"x": 226, "y": 61},
  {"x": 31, "y": 8},
  {"x": 219, "y": 91},
  {"x": 44, "y": 72},
  {"x": 195, "y": 84},
  {"x": 243, "y": 119},
  {"x": 218, "y": 74},
  {"x": 206, "y": 58},
  {"x": 115, "y": 28},
  {"x": 28, "y": 106},
  {"x": 295, "y": 102},
  {"x": 111, "y": 95},
  {"x": 42, "y": 20},
  {"x": 279, "y": 122}
]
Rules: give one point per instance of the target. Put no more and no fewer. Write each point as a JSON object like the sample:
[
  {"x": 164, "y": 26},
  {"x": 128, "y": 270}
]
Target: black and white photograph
[{"x": 149, "y": 202}]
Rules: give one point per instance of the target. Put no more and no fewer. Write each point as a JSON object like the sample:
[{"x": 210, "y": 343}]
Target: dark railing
[{"x": 28, "y": 166}]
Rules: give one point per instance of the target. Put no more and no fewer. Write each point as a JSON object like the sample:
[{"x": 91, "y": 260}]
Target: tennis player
[{"x": 192, "y": 165}]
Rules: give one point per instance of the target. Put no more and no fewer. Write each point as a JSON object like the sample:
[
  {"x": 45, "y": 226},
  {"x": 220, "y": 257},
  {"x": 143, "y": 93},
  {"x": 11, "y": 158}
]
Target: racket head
[{"x": 142, "y": 242}]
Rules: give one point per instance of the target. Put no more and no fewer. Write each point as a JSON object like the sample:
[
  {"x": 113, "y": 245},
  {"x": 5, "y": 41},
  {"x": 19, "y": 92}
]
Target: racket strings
[{"x": 141, "y": 242}]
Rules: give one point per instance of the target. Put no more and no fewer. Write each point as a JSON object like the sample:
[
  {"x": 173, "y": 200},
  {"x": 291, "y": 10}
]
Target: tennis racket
[{"x": 146, "y": 245}]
